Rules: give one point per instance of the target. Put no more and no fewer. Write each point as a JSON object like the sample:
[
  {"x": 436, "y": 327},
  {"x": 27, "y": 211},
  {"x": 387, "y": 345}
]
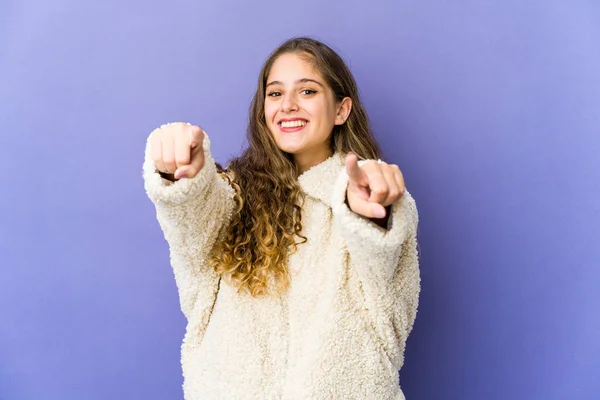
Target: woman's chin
[{"x": 291, "y": 148}]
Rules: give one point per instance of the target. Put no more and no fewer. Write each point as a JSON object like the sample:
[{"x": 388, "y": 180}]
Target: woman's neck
[{"x": 307, "y": 160}]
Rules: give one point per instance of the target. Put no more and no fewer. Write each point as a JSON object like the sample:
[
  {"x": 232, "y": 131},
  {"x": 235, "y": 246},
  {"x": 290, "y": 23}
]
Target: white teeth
[{"x": 292, "y": 124}]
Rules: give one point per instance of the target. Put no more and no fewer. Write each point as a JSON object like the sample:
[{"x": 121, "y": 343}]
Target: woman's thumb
[{"x": 181, "y": 172}]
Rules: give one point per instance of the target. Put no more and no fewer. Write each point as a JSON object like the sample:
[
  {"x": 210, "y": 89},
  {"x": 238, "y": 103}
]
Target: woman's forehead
[{"x": 291, "y": 67}]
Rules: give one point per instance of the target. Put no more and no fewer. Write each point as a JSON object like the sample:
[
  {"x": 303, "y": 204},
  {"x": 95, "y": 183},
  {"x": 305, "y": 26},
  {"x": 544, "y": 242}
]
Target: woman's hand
[
  {"x": 372, "y": 187},
  {"x": 176, "y": 149}
]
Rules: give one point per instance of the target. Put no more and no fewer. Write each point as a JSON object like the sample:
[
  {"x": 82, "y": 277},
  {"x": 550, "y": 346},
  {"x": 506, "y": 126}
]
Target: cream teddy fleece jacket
[{"x": 340, "y": 330}]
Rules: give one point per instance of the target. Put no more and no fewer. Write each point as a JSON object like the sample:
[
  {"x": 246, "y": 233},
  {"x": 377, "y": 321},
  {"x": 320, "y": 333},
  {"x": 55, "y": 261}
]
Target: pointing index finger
[{"x": 352, "y": 169}]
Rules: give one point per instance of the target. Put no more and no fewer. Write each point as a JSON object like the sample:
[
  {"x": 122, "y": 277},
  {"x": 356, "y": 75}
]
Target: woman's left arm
[
  {"x": 375, "y": 250},
  {"x": 376, "y": 212},
  {"x": 384, "y": 258}
]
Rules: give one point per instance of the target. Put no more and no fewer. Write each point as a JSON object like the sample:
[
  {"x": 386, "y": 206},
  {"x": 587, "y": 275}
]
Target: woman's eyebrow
[{"x": 303, "y": 80}]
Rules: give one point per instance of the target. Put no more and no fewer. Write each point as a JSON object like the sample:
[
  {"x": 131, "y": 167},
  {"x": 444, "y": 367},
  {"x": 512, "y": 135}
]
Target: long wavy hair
[{"x": 266, "y": 226}]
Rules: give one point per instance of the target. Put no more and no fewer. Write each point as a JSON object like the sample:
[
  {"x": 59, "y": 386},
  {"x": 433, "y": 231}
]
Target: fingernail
[{"x": 379, "y": 213}]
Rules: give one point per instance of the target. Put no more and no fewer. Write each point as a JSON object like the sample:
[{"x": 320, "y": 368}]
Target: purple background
[{"x": 491, "y": 109}]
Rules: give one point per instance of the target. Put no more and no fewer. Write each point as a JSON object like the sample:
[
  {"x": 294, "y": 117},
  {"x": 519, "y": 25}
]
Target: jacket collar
[{"x": 317, "y": 182}]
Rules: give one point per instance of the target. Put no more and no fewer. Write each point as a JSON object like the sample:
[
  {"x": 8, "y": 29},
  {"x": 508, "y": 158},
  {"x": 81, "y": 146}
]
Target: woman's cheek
[{"x": 270, "y": 111}]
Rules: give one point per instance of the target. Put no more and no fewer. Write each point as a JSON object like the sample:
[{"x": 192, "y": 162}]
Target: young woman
[{"x": 297, "y": 266}]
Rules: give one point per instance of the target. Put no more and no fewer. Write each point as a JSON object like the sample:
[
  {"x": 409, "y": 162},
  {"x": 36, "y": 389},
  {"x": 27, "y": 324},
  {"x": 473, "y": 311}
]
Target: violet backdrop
[{"x": 491, "y": 109}]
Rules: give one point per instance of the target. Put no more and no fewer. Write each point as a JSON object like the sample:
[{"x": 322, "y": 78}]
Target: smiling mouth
[{"x": 293, "y": 124}]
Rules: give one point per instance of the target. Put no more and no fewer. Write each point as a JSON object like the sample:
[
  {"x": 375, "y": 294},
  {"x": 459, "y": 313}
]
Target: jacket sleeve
[
  {"x": 387, "y": 264},
  {"x": 191, "y": 214}
]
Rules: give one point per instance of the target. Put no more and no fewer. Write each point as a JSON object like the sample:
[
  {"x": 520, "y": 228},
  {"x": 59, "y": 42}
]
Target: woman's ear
[{"x": 343, "y": 111}]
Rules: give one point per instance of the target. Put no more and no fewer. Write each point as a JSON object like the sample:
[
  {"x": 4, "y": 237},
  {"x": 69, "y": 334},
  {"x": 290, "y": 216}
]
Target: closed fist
[{"x": 176, "y": 149}]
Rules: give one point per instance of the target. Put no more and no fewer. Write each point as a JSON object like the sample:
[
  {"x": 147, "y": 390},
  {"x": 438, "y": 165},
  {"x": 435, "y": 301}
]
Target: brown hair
[{"x": 263, "y": 230}]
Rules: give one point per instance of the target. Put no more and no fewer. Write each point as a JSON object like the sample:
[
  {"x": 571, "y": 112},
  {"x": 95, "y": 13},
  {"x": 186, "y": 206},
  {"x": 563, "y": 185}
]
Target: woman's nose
[{"x": 289, "y": 103}]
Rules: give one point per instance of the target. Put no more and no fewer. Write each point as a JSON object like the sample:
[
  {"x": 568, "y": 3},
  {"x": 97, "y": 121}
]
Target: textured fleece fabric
[{"x": 340, "y": 330}]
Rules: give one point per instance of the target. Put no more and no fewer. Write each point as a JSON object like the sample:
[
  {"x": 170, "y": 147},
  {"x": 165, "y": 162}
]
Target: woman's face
[{"x": 301, "y": 109}]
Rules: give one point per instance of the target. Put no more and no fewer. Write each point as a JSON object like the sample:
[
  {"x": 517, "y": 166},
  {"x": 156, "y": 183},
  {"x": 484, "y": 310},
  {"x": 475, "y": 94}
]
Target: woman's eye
[
  {"x": 274, "y": 94},
  {"x": 308, "y": 91}
]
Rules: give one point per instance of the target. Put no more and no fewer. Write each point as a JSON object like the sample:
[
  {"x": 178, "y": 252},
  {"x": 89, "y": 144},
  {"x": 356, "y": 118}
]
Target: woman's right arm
[{"x": 191, "y": 211}]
